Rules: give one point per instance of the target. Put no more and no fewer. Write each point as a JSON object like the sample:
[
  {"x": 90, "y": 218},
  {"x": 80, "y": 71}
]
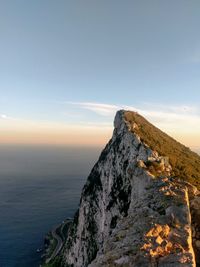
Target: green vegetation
[
  {"x": 57, "y": 262},
  {"x": 65, "y": 230},
  {"x": 185, "y": 163},
  {"x": 52, "y": 245}
]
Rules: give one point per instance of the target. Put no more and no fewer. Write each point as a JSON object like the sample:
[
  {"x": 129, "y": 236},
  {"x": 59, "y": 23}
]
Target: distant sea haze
[
  {"x": 39, "y": 187},
  {"x": 198, "y": 151}
]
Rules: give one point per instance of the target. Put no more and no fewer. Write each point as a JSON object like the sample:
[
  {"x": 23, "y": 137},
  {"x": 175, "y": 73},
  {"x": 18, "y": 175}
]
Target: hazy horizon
[
  {"x": 72, "y": 146},
  {"x": 68, "y": 66}
]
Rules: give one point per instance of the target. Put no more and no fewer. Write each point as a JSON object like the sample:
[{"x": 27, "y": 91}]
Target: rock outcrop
[{"x": 134, "y": 209}]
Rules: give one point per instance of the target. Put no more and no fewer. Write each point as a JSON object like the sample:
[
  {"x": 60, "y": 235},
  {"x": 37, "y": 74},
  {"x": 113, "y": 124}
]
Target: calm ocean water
[{"x": 39, "y": 187}]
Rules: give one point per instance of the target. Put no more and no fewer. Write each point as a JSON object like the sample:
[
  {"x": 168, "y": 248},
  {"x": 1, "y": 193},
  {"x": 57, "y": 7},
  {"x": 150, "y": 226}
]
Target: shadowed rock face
[
  {"x": 195, "y": 213},
  {"x": 132, "y": 211}
]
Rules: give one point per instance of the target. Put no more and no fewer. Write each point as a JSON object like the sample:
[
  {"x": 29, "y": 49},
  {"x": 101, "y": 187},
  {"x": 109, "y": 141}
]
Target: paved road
[
  {"x": 58, "y": 239},
  {"x": 58, "y": 246}
]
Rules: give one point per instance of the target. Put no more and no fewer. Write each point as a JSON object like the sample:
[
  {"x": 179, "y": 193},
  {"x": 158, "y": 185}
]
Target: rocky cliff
[{"x": 139, "y": 206}]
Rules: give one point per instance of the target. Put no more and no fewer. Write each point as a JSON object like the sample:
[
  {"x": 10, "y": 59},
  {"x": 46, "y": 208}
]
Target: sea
[{"x": 40, "y": 186}]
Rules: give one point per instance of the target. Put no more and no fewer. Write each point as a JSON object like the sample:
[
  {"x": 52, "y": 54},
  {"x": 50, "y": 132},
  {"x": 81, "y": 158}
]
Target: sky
[{"x": 66, "y": 67}]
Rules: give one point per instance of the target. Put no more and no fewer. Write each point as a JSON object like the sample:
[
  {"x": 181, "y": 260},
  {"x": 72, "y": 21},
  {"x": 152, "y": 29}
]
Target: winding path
[{"x": 59, "y": 240}]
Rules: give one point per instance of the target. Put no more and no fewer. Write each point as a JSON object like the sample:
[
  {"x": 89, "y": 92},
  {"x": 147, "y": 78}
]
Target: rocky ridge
[{"x": 133, "y": 211}]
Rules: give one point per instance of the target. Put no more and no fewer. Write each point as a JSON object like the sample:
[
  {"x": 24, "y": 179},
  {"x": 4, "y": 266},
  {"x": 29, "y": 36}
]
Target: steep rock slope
[{"x": 135, "y": 206}]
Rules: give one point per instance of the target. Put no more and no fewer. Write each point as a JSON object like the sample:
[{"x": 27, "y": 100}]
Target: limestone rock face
[{"x": 132, "y": 211}]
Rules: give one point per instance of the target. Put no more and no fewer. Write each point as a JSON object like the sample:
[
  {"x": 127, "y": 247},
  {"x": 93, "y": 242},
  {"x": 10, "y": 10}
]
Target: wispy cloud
[
  {"x": 147, "y": 109},
  {"x": 3, "y": 116},
  {"x": 180, "y": 121},
  {"x": 173, "y": 119},
  {"x": 99, "y": 108}
]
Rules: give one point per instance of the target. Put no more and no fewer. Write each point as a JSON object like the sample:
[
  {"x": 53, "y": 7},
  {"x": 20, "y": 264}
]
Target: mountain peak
[{"x": 139, "y": 206}]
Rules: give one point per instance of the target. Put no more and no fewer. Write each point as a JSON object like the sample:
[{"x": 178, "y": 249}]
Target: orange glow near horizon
[
  {"x": 49, "y": 133},
  {"x": 76, "y": 136},
  {"x": 189, "y": 140}
]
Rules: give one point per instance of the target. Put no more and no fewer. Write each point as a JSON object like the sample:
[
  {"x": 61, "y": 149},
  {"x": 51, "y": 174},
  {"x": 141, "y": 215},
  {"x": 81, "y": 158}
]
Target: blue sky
[{"x": 76, "y": 62}]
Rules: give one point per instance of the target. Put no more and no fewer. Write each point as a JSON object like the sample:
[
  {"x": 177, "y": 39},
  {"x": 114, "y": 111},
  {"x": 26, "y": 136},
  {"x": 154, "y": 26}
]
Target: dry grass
[{"x": 185, "y": 163}]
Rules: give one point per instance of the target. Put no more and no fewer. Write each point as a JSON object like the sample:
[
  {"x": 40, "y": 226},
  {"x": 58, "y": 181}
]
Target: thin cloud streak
[
  {"x": 182, "y": 122},
  {"x": 99, "y": 108},
  {"x": 156, "y": 113}
]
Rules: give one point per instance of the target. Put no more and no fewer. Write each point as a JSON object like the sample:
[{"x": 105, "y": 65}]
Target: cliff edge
[{"x": 140, "y": 204}]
